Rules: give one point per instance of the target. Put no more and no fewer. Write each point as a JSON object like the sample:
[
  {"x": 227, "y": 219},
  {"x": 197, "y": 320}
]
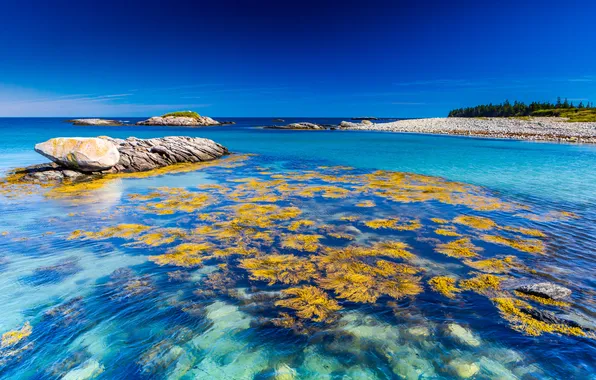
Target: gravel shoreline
[{"x": 536, "y": 129}]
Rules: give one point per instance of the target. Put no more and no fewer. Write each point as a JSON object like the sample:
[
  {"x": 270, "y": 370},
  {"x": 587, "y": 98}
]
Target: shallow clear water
[{"x": 114, "y": 306}]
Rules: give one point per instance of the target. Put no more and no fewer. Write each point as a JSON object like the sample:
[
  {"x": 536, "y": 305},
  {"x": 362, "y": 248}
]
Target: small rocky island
[
  {"x": 298, "y": 126},
  {"x": 98, "y": 122},
  {"x": 181, "y": 118},
  {"x": 77, "y": 158}
]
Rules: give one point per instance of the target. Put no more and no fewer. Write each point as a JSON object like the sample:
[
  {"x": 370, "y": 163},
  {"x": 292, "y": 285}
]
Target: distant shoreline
[{"x": 534, "y": 129}]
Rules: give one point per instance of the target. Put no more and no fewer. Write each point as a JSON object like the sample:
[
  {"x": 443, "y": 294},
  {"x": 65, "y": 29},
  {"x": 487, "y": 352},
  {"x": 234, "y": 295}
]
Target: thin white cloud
[{"x": 408, "y": 103}]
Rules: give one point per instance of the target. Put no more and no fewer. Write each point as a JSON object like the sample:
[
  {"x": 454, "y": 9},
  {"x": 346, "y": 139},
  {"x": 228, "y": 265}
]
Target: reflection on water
[{"x": 252, "y": 268}]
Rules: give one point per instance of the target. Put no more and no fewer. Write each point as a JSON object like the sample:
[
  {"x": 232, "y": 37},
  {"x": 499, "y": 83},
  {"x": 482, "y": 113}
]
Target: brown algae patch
[
  {"x": 520, "y": 244},
  {"x": 186, "y": 255},
  {"x": 494, "y": 265},
  {"x": 445, "y": 285},
  {"x": 477, "y": 222},
  {"x": 310, "y": 302},
  {"x": 482, "y": 284},
  {"x": 287, "y": 269},
  {"x": 461, "y": 248}
]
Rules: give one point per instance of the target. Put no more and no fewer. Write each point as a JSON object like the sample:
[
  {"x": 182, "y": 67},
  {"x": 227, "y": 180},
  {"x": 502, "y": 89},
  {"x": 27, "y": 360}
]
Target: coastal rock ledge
[{"x": 77, "y": 158}]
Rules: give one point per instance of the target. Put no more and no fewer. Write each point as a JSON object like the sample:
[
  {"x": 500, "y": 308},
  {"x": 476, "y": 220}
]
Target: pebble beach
[{"x": 534, "y": 129}]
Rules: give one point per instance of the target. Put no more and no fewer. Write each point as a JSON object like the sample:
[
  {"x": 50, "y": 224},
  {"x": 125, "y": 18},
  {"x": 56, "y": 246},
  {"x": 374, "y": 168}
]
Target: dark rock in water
[
  {"x": 278, "y": 120},
  {"x": 298, "y": 126},
  {"x": 545, "y": 289},
  {"x": 135, "y": 155},
  {"x": 227, "y": 122},
  {"x": 550, "y": 317},
  {"x": 101, "y": 122}
]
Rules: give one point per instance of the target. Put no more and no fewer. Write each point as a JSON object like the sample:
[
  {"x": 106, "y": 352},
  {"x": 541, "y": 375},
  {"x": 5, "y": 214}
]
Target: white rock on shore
[{"x": 536, "y": 129}]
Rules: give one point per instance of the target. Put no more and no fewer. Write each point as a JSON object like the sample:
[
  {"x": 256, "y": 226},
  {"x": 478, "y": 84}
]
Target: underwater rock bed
[{"x": 262, "y": 271}]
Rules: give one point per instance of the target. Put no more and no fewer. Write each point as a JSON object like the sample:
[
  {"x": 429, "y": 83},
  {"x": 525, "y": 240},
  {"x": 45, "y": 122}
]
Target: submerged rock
[
  {"x": 545, "y": 289},
  {"x": 463, "y": 335},
  {"x": 463, "y": 369},
  {"x": 80, "y": 153},
  {"x": 134, "y": 155},
  {"x": 299, "y": 126},
  {"x": 102, "y": 122},
  {"x": 180, "y": 121}
]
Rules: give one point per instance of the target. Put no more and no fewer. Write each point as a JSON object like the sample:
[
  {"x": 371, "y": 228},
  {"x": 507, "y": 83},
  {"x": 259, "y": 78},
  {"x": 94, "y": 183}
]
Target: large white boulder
[{"x": 80, "y": 153}]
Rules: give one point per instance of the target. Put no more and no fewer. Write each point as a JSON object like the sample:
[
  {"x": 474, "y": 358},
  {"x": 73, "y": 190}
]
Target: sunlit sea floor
[{"x": 271, "y": 267}]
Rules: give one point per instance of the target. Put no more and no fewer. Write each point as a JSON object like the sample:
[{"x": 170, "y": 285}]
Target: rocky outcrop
[
  {"x": 347, "y": 124},
  {"x": 299, "y": 126},
  {"x": 180, "y": 121},
  {"x": 545, "y": 289},
  {"x": 135, "y": 155},
  {"x": 100, "y": 122},
  {"x": 80, "y": 153}
]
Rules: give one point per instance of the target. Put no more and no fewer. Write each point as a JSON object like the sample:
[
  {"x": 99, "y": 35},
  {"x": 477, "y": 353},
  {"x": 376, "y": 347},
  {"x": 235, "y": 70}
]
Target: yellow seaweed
[
  {"x": 310, "y": 302},
  {"x": 287, "y": 269},
  {"x": 524, "y": 245},
  {"x": 477, "y": 222},
  {"x": 460, "y": 248},
  {"x": 444, "y": 285},
  {"x": 13, "y": 337}
]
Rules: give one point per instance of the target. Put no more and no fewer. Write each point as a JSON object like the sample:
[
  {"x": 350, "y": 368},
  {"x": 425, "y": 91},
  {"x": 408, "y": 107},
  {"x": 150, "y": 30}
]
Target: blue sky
[{"x": 300, "y": 58}]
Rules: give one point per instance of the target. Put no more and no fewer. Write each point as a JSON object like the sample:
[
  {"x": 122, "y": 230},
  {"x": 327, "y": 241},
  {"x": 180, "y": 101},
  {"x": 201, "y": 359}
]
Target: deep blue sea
[{"x": 302, "y": 255}]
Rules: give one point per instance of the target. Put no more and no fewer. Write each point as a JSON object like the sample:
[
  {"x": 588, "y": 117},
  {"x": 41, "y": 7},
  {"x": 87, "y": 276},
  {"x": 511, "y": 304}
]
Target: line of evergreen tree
[{"x": 507, "y": 109}]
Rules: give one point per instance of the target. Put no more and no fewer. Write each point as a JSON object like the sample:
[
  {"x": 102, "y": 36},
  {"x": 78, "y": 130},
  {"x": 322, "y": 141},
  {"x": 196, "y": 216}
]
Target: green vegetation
[
  {"x": 523, "y": 111},
  {"x": 192, "y": 114}
]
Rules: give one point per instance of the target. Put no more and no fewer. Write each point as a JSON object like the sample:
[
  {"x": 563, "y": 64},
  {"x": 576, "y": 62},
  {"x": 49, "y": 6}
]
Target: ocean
[{"x": 303, "y": 254}]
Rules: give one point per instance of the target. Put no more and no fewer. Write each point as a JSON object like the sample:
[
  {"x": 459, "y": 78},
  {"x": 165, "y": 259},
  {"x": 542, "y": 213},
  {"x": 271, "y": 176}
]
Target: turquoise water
[{"x": 106, "y": 306}]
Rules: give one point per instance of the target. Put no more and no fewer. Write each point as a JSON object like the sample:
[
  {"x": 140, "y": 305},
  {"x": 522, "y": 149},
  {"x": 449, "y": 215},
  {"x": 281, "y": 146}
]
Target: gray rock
[
  {"x": 135, "y": 155},
  {"x": 180, "y": 121},
  {"x": 80, "y": 153},
  {"x": 103, "y": 122},
  {"x": 300, "y": 126},
  {"x": 545, "y": 289}
]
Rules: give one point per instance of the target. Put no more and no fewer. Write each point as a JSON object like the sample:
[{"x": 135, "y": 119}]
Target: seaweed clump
[
  {"x": 460, "y": 248},
  {"x": 13, "y": 337},
  {"x": 482, "y": 284},
  {"x": 477, "y": 222},
  {"x": 444, "y": 285},
  {"x": 186, "y": 255},
  {"x": 301, "y": 242},
  {"x": 287, "y": 269},
  {"x": 360, "y": 282},
  {"x": 524, "y": 245},
  {"x": 311, "y": 303}
]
